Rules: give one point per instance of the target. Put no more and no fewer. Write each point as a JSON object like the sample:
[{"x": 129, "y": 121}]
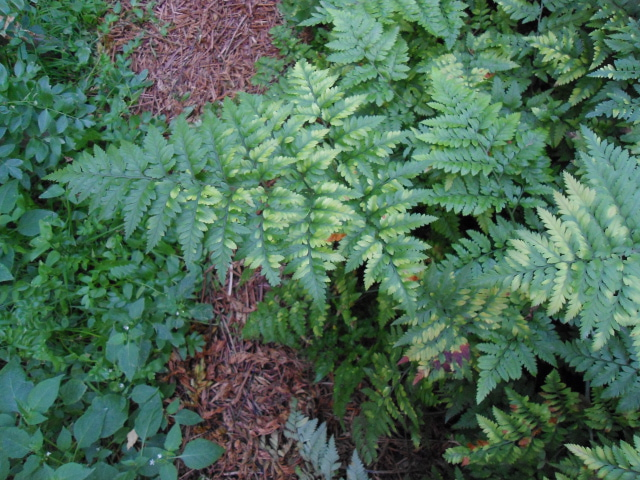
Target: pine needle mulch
[
  {"x": 198, "y": 51},
  {"x": 242, "y": 389}
]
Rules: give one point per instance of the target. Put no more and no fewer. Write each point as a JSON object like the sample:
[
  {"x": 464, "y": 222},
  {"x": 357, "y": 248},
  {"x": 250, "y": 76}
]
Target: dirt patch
[{"x": 199, "y": 51}]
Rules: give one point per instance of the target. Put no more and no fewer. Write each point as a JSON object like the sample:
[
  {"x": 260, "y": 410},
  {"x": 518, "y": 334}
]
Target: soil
[{"x": 198, "y": 52}]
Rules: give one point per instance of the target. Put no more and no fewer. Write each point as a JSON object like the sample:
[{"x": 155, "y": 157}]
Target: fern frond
[
  {"x": 611, "y": 462},
  {"x": 441, "y": 18},
  {"x": 585, "y": 262},
  {"x": 311, "y": 439}
]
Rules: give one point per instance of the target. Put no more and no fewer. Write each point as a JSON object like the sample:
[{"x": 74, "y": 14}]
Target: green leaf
[
  {"x": 200, "y": 453},
  {"x": 149, "y": 418},
  {"x": 14, "y": 442},
  {"x": 5, "y": 274},
  {"x": 88, "y": 428},
  {"x": 14, "y": 387},
  {"x": 42, "y": 396},
  {"x": 129, "y": 359},
  {"x": 54, "y": 191},
  {"x": 72, "y": 471},
  {"x": 72, "y": 391},
  {"x": 64, "y": 440},
  {"x": 4, "y": 78},
  {"x": 8, "y": 196},
  {"x": 44, "y": 120},
  {"x": 174, "y": 438},
  {"x": 29, "y": 223},
  {"x": 168, "y": 471},
  {"x": 187, "y": 417}
]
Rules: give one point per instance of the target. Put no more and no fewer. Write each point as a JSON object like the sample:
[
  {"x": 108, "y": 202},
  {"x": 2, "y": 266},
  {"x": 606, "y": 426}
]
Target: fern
[
  {"x": 321, "y": 454},
  {"x": 441, "y": 18},
  {"x": 269, "y": 183},
  {"x": 611, "y": 462},
  {"x": 479, "y": 159},
  {"x": 586, "y": 263}
]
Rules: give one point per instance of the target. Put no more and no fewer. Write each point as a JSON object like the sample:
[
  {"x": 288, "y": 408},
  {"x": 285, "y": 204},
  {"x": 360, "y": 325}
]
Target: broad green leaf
[
  {"x": 4, "y": 78},
  {"x": 143, "y": 393},
  {"x": 63, "y": 442},
  {"x": 116, "y": 407},
  {"x": 200, "y": 453},
  {"x": 29, "y": 223},
  {"x": 72, "y": 391},
  {"x": 42, "y": 396},
  {"x": 14, "y": 387},
  {"x": 14, "y": 442},
  {"x": 44, "y": 120},
  {"x": 72, "y": 471},
  {"x": 149, "y": 419},
  {"x": 168, "y": 471},
  {"x": 8, "y": 196},
  {"x": 5, "y": 274},
  {"x": 136, "y": 309},
  {"x": 54, "y": 191},
  {"x": 187, "y": 417},
  {"x": 174, "y": 438},
  {"x": 129, "y": 359},
  {"x": 88, "y": 428}
]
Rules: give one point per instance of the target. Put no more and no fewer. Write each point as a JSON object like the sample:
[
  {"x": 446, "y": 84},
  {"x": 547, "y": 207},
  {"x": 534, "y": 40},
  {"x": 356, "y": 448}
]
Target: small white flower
[
  {"x": 48, "y": 453},
  {"x": 159, "y": 455},
  {"x": 121, "y": 385},
  {"x": 126, "y": 327},
  {"x": 152, "y": 462}
]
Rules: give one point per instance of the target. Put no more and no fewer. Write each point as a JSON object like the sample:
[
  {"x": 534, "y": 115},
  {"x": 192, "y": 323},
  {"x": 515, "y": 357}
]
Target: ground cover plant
[
  {"x": 443, "y": 195},
  {"x": 86, "y": 321}
]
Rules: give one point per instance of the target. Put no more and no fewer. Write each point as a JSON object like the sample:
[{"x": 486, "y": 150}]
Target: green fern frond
[
  {"x": 314, "y": 448},
  {"x": 521, "y": 10},
  {"x": 620, "y": 462},
  {"x": 441, "y": 18},
  {"x": 586, "y": 262}
]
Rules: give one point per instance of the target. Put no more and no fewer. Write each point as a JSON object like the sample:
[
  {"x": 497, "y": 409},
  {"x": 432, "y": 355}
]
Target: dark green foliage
[{"x": 477, "y": 113}]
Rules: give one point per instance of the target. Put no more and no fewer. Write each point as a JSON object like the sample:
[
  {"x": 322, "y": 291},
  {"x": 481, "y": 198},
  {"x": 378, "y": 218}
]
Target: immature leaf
[{"x": 200, "y": 453}]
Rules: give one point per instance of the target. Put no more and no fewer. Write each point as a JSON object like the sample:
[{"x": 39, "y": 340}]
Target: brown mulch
[
  {"x": 242, "y": 389},
  {"x": 205, "y": 52}
]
